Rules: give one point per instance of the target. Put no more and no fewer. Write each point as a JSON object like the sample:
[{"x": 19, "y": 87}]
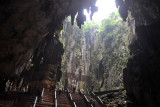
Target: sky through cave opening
[{"x": 105, "y": 7}]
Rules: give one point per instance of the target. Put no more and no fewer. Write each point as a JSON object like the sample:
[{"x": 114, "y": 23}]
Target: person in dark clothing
[
  {"x": 92, "y": 87},
  {"x": 59, "y": 91},
  {"x": 74, "y": 89},
  {"x": 92, "y": 101}
]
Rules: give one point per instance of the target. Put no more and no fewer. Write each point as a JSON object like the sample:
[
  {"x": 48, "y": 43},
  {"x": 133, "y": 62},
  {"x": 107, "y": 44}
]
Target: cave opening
[
  {"x": 96, "y": 54},
  {"x": 39, "y": 49},
  {"x": 105, "y": 7}
]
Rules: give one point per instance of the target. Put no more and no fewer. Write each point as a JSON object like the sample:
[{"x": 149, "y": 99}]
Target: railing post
[
  {"x": 85, "y": 99},
  {"x": 98, "y": 99},
  {"x": 55, "y": 94},
  {"x": 55, "y": 102},
  {"x": 55, "y": 99},
  {"x": 71, "y": 99},
  {"x": 74, "y": 104},
  {"x": 35, "y": 101},
  {"x": 42, "y": 92}
]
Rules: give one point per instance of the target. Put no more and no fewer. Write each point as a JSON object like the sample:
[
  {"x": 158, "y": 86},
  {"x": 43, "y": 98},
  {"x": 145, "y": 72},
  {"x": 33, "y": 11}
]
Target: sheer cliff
[{"x": 96, "y": 54}]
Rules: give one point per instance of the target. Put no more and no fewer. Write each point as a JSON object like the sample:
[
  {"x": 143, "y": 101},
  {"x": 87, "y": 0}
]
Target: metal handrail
[
  {"x": 98, "y": 99},
  {"x": 74, "y": 104},
  {"x": 55, "y": 102},
  {"x": 71, "y": 99},
  {"x": 70, "y": 96},
  {"x": 35, "y": 101},
  {"x": 108, "y": 91},
  {"x": 42, "y": 92},
  {"x": 86, "y": 99}
]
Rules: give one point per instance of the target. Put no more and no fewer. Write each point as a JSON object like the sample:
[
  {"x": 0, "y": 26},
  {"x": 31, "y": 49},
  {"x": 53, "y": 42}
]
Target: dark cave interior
[{"x": 30, "y": 46}]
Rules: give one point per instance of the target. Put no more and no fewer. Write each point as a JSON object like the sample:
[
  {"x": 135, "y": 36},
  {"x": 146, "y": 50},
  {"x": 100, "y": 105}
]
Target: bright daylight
[{"x": 105, "y": 7}]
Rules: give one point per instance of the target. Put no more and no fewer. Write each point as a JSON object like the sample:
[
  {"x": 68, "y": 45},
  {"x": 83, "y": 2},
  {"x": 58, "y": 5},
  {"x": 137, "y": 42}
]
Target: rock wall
[
  {"x": 25, "y": 24},
  {"x": 95, "y": 61},
  {"x": 141, "y": 74},
  {"x": 76, "y": 59},
  {"x": 46, "y": 60}
]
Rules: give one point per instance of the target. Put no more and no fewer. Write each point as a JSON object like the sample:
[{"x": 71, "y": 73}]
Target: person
[
  {"x": 20, "y": 84},
  {"x": 92, "y": 87},
  {"x": 10, "y": 87},
  {"x": 59, "y": 92},
  {"x": 92, "y": 101},
  {"x": 48, "y": 87},
  {"x": 74, "y": 89},
  {"x": 82, "y": 90},
  {"x": 62, "y": 89},
  {"x": 7, "y": 86}
]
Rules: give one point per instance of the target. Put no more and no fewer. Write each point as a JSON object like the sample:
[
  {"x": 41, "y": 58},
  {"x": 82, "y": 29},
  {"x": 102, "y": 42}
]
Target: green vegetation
[
  {"x": 101, "y": 47},
  {"x": 69, "y": 18},
  {"x": 60, "y": 38},
  {"x": 110, "y": 32},
  {"x": 89, "y": 26},
  {"x": 54, "y": 35}
]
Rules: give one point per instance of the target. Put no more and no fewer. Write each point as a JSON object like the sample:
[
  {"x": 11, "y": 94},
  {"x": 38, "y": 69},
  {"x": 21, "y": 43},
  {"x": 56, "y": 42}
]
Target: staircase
[
  {"x": 96, "y": 103},
  {"x": 24, "y": 101},
  {"x": 7, "y": 101},
  {"x": 63, "y": 101},
  {"x": 79, "y": 100},
  {"x": 47, "y": 99},
  {"x": 21, "y": 99},
  {"x": 16, "y": 99}
]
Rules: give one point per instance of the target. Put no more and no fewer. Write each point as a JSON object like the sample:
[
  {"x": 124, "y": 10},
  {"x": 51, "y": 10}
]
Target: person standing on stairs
[
  {"x": 74, "y": 88},
  {"x": 7, "y": 85},
  {"x": 59, "y": 91},
  {"x": 92, "y": 101}
]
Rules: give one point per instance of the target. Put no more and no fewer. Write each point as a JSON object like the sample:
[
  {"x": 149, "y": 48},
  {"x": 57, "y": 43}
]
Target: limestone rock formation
[
  {"x": 93, "y": 58},
  {"x": 25, "y": 25},
  {"x": 141, "y": 76}
]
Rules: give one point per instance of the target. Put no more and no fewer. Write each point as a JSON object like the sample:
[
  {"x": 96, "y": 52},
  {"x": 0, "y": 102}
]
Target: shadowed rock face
[
  {"x": 142, "y": 73},
  {"x": 144, "y": 12},
  {"x": 25, "y": 24},
  {"x": 29, "y": 38}
]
